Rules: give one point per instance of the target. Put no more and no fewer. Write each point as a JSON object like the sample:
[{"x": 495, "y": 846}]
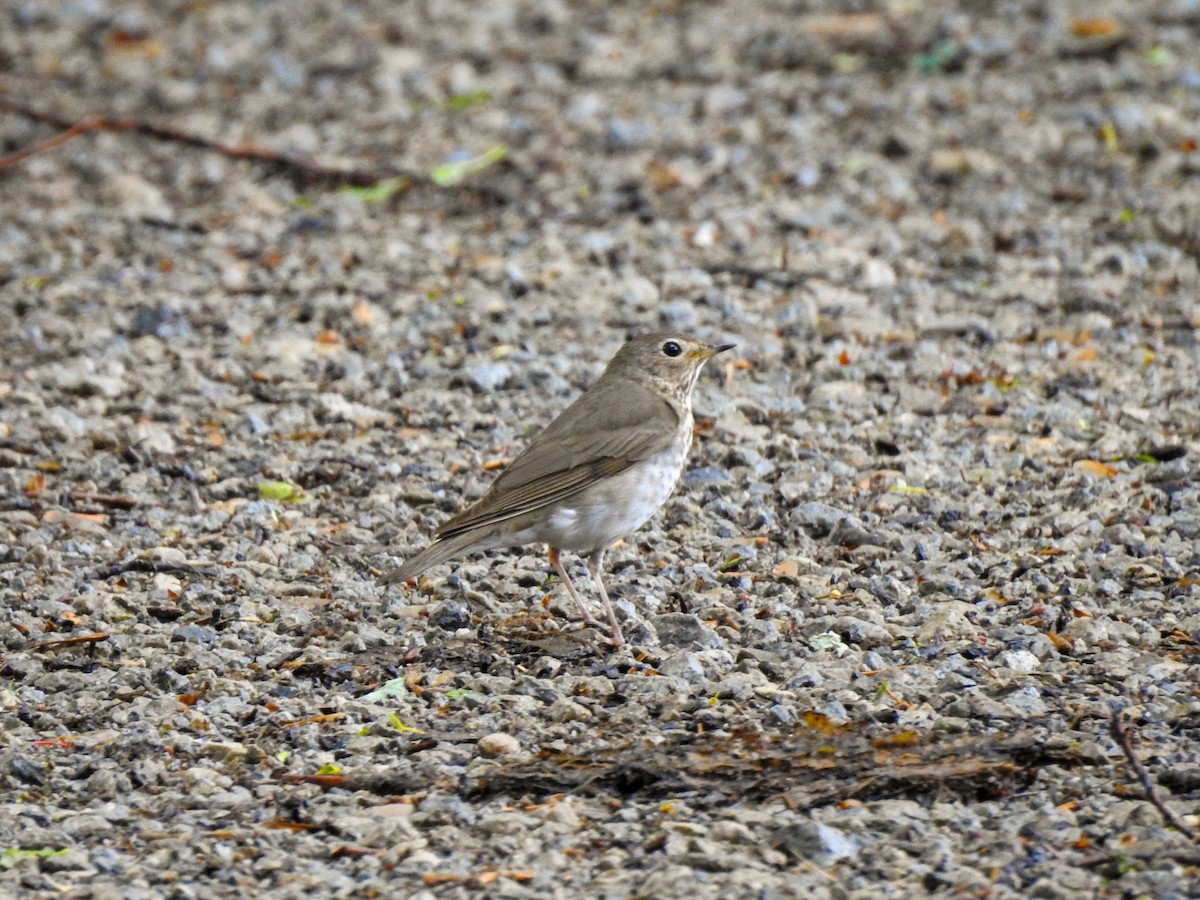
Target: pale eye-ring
[{"x": 672, "y": 349}]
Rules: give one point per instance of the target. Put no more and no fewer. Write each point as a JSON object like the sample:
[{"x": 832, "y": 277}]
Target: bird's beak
[{"x": 714, "y": 349}]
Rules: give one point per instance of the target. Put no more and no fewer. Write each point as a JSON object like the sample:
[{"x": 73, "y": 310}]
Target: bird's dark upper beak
[{"x": 714, "y": 349}]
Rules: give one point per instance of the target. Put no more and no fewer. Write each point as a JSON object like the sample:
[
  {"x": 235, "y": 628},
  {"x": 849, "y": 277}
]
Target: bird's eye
[{"x": 672, "y": 349}]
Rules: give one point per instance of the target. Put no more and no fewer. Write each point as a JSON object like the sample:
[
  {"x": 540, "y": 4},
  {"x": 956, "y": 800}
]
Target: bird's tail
[{"x": 437, "y": 552}]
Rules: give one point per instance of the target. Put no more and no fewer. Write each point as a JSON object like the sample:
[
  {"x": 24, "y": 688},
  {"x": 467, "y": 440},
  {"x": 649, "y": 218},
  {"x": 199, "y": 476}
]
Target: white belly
[{"x": 606, "y": 512}]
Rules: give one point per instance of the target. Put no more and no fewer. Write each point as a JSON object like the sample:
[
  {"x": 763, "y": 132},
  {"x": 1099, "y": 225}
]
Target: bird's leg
[
  {"x": 562, "y": 573},
  {"x": 594, "y": 563}
]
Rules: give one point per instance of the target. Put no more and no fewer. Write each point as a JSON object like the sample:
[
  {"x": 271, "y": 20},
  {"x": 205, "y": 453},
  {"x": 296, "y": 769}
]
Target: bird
[{"x": 596, "y": 473}]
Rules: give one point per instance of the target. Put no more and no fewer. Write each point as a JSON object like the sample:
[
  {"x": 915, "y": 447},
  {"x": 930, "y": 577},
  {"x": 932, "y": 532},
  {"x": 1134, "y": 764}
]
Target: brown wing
[{"x": 614, "y": 425}]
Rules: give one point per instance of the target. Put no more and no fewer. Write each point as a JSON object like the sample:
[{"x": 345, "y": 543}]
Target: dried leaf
[
  {"x": 71, "y": 519},
  {"x": 662, "y": 177},
  {"x": 899, "y": 739},
  {"x": 1092, "y": 28},
  {"x": 288, "y": 825},
  {"x": 130, "y": 41},
  {"x": 846, "y": 25},
  {"x": 819, "y": 722},
  {"x": 36, "y": 485},
  {"x": 1059, "y": 642},
  {"x": 316, "y": 720},
  {"x": 786, "y": 569},
  {"x": 1094, "y": 467}
]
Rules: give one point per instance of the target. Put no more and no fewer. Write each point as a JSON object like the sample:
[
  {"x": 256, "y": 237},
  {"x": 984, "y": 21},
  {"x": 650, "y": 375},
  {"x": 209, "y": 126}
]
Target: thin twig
[
  {"x": 1124, "y": 738},
  {"x": 308, "y": 170},
  {"x": 93, "y": 638},
  {"x": 151, "y": 566},
  {"x": 778, "y": 276},
  {"x": 81, "y": 127},
  {"x": 112, "y": 501}
]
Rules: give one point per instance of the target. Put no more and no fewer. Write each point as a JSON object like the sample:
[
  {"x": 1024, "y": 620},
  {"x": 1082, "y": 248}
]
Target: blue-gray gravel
[{"x": 946, "y": 491}]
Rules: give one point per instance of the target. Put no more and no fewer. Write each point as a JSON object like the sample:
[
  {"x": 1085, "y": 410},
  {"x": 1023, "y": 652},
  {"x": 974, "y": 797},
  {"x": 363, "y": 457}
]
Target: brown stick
[
  {"x": 81, "y": 127},
  {"x": 93, "y": 638},
  {"x": 112, "y": 501},
  {"x": 155, "y": 567},
  {"x": 306, "y": 169},
  {"x": 1124, "y": 738}
]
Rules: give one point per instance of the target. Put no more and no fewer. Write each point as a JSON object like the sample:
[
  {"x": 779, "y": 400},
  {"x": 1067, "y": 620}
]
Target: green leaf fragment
[
  {"x": 329, "y": 769},
  {"x": 14, "y": 855},
  {"x": 1108, "y": 134},
  {"x": 396, "y": 724},
  {"x": 280, "y": 490},
  {"x": 466, "y": 101},
  {"x": 938, "y": 58},
  {"x": 829, "y": 641},
  {"x": 848, "y": 63},
  {"x": 451, "y": 174},
  {"x": 380, "y": 191},
  {"x": 386, "y": 691},
  {"x": 1160, "y": 56}
]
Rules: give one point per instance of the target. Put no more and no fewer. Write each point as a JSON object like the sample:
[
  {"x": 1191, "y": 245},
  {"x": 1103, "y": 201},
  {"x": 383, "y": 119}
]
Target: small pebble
[{"x": 498, "y": 744}]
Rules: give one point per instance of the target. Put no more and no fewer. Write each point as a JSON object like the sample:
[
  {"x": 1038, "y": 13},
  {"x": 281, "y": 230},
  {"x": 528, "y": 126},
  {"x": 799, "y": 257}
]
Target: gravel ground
[{"x": 940, "y": 521}]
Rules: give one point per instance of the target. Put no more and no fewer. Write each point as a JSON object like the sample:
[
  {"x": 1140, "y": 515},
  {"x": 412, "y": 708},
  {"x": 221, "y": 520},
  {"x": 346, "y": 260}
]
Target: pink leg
[
  {"x": 562, "y": 573},
  {"x": 594, "y": 563}
]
